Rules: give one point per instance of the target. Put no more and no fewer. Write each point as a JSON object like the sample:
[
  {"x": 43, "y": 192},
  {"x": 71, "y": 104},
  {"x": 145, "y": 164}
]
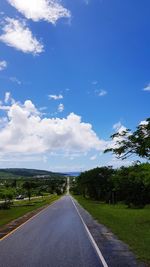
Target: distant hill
[{"x": 11, "y": 172}]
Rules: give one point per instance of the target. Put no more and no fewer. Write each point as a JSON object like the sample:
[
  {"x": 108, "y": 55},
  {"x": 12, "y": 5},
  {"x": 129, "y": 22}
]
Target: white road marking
[{"x": 91, "y": 238}]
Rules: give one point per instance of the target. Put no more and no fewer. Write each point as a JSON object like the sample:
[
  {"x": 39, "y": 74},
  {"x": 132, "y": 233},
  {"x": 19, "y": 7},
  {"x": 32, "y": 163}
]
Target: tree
[
  {"x": 28, "y": 187},
  {"x": 130, "y": 185},
  {"x": 127, "y": 143},
  {"x": 96, "y": 183},
  {"x": 7, "y": 196},
  {"x": 133, "y": 185}
]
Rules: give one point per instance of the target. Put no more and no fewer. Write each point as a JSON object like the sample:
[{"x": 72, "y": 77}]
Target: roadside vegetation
[
  {"x": 23, "y": 190},
  {"x": 130, "y": 225},
  {"x": 22, "y": 207},
  {"x": 129, "y": 185},
  {"x": 120, "y": 198}
]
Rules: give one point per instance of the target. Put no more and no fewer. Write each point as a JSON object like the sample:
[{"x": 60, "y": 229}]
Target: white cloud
[
  {"x": 25, "y": 132},
  {"x": 94, "y": 157},
  {"x": 7, "y": 97},
  {"x": 102, "y": 93},
  {"x": 55, "y": 97},
  {"x": 42, "y": 108},
  {"x": 143, "y": 123},
  {"x": 61, "y": 107},
  {"x": 16, "y": 34},
  {"x": 122, "y": 129},
  {"x": 48, "y": 10},
  {"x": 117, "y": 126},
  {"x": 15, "y": 80},
  {"x": 3, "y": 121},
  {"x": 5, "y": 108},
  {"x": 3, "y": 65},
  {"x": 147, "y": 88},
  {"x": 117, "y": 163},
  {"x": 24, "y": 158}
]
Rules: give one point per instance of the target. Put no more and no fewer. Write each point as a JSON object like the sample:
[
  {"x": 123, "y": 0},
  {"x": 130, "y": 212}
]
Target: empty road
[{"x": 54, "y": 238}]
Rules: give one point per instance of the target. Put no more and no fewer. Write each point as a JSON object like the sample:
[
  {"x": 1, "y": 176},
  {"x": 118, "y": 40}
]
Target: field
[
  {"x": 130, "y": 225},
  {"x": 22, "y": 207}
]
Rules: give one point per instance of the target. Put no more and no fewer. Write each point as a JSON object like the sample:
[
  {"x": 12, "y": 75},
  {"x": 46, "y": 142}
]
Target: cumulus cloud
[
  {"x": 16, "y": 34},
  {"x": 147, "y": 88},
  {"x": 55, "y": 97},
  {"x": 61, "y": 107},
  {"x": 3, "y": 121},
  {"x": 48, "y": 10},
  {"x": 3, "y": 65},
  {"x": 25, "y": 131}
]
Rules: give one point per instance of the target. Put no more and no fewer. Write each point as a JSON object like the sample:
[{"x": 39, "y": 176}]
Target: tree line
[
  {"x": 130, "y": 185},
  {"x": 13, "y": 187}
]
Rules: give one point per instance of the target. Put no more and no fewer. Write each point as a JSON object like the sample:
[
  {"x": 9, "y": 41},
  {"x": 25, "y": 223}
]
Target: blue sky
[{"x": 69, "y": 72}]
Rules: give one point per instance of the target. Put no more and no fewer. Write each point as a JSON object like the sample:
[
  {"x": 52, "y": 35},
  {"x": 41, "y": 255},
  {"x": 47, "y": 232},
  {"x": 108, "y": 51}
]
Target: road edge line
[
  {"x": 99, "y": 253},
  {"x": 17, "y": 228}
]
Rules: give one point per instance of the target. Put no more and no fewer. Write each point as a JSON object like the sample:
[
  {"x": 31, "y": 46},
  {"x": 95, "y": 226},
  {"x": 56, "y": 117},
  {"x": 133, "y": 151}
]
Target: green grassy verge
[
  {"x": 130, "y": 225},
  {"x": 22, "y": 207}
]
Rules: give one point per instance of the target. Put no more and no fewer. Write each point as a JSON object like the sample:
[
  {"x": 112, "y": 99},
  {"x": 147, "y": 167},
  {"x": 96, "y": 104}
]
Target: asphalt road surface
[{"x": 54, "y": 238}]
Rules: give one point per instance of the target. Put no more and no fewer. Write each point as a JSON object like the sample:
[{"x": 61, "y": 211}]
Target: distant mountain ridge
[
  {"x": 27, "y": 172},
  {"x": 24, "y": 172}
]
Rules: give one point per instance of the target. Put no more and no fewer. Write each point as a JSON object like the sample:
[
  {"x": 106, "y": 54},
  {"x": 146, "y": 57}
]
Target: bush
[{"x": 6, "y": 205}]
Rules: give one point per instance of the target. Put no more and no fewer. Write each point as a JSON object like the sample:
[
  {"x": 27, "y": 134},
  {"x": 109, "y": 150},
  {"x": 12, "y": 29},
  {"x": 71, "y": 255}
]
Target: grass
[
  {"x": 22, "y": 207},
  {"x": 130, "y": 225}
]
